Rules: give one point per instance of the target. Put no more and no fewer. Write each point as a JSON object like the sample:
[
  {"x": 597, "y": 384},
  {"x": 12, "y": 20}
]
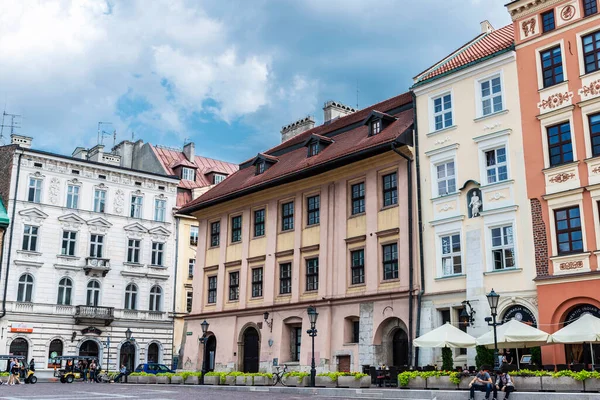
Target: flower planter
[
  {"x": 417, "y": 383},
  {"x": 192, "y": 380},
  {"x": 441, "y": 382},
  {"x": 163, "y": 380},
  {"x": 296, "y": 381},
  {"x": 243, "y": 380},
  {"x": 527, "y": 383},
  {"x": 560, "y": 384},
  {"x": 142, "y": 379},
  {"x": 132, "y": 379},
  {"x": 325, "y": 381},
  {"x": 592, "y": 385},
  {"x": 230, "y": 380},
  {"x": 152, "y": 379},
  {"x": 261, "y": 381},
  {"x": 212, "y": 380},
  {"x": 464, "y": 383},
  {"x": 352, "y": 382},
  {"x": 176, "y": 380}
]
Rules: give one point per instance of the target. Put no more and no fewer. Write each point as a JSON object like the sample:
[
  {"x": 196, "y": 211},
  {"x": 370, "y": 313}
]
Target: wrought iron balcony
[
  {"x": 99, "y": 265},
  {"x": 94, "y": 314}
]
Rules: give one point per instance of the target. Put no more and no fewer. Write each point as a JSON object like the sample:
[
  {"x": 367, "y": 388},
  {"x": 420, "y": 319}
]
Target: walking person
[
  {"x": 84, "y": 369},
  {"x": 11, "y": 379},
  {"x": 93, "y": 367},
  {"x": 483, "y": 383},
  {"x": 505, "y": 383},
  {"x": 15, "y": 372}
]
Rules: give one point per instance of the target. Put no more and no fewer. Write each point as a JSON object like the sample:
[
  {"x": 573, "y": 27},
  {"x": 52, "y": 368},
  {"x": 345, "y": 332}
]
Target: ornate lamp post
[
  {"x": 204, "y": 326},
  {"x": 312, "y": 332},
  {"x": 493, "y": 298}
]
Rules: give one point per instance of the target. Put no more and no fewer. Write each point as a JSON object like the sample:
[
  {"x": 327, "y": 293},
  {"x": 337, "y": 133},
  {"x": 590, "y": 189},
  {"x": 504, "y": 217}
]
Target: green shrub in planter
[
  {"x": 295, "y": 378},
  {"x": 260, "y": 378},
  {"x": 447, "y": 362},
  {"x": 353, "y": 380},
  {"x": 484, "y": 356},
  {"x": 211, "y": 375},
  {"x": 176, "y": 380}
]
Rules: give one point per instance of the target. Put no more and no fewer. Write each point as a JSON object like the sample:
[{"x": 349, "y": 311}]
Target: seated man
[
  {"x": 482, "y": 382},
  {"x": 504, "y": 383}
]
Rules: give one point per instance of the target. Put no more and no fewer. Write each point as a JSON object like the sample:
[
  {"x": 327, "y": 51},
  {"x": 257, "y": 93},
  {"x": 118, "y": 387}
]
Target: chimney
[
  {"x": 80, "y": 152},
  {"x": 125, "y": 150},
  {"x": 486, "y": 27},
  {"x": 296, "y": 128},
  {"x": 23, "y": 141},
  {"x": 333, "y": 110},
  {"x": 189, "y": 151},
  {"x": 96, "y": 153}
]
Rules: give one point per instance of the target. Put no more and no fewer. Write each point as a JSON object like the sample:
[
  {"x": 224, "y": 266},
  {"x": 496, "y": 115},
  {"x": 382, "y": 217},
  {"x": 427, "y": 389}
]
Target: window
[
  {"x": 103, "y": 177},
  {"x": 503, "y": 247},
  {"x": 234, "y": 286},
  {"x": 96, "y": 245},
  {"x": 155, "y": 299},
  {"x": 446, "y": 178},
  {"x": 297, "y": 335},
  {"x": 25, "y": 289},
  {"x": 287, "y": 216},
  {"x": 260, "y": 167},
  {"x": 313, "y": 205},
  {"x": 259, "y": 223},
  {"x": 355, "y": 331},
  {"x": 131, "y": 297},
  {"x": 215, "y": 234},
  {"x": 591, "y": 53},
  {"x": 312, "y": 274},
  {"x": 193, "y": 235},
  {"x": 35, "y": 190},
  {"x": 55, "y": 349},
  {"x": 559, "y": 144},
  {"x": 390, "y": 190},
  {"x": 257, "y": 282},
  {"x": 590, "y": 7},
  {"x": 136, "y": 206},
  {"x": 552, "y": 68},
  {"x": 451, "y": 256},
  {"x": 75, "y": 172},
  {"x": 375, "y": 127},
  {"x": 491, "y": 96},
  {"x": 313, "y": 149},
  {"x": 69, "y": 239},
  {"x": 218, "y": 178},
  {"x": 188, "y": 174},
  {"x": 157, "y": 253},
  {"x": 548, "y": 21},
  {"x": 72, "y": 196},
  {"x": 357, "y": 266},
  {"x": 390, "y": 261},
  {"x": 65, "y": 287},
  {"x": 191, "y": 265},
  {"x": 495, "y": 165},
  {"x": 285, "y": 278},
  {"x": 133, "y": 251},
  {"x": 93, "y": 294},
  {"x": 189, "y": 299},
  {"x": 99, "y": 200},
  {"x": 568, "y": 230},
  {"x": 160, "y": 208},
  {"x": 358, "y": 198},
  {"x": 30, "y": 238},
  {"x": 212, "y": 289},
  {"x": 442, "y": 111},
  {"x": 594, "y": 121},
  {"x": 236, "y": 229}
]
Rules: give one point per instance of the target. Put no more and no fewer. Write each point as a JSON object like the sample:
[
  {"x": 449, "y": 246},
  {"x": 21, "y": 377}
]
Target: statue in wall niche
[{"x": 474, "y": 204}]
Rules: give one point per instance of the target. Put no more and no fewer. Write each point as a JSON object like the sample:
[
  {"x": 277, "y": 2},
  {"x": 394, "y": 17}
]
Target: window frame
[
  {"x": 191, "y": 267},
  {"x": 157, "y": 257},
  {"x": 189, "y": 301},
  {"x": 313, "y": 148},
  {"x": 313, "y": 210},
  {"x": 312, "y": 274},
  {"x": 34, "y": 190},
  {"x": 569, "y": 230},
  {"x": 497, "y": 166},
  {"x": 376, "y": 127},
  {"x": 215, "y": 234},
  {"x": 589, "y": 5},
  {"x": 285, "y": 282},
  {"x": 99, "y": 200},
  {"x": 71, "y": 243},
  {"x": 297, "y": 345},
  {"x": 560, "y": 143},
  {"x": 134, "y": 248},
  {"x": 95, "y": 290},
  {"x": 137, "y": 208},
  {"x": 442, "y": 113},
  {"x": 358, "y": 198},
  {"x": 260, "y": 168},
  {"x": 503, "y": 247},
  {"x": 452, "y": 254},
  {"x": 25, "y": 288},
  {"x": 389, "y": 193},
  {"x": 594, "y": 52},
  {"x": 131, "y": 291},
  {"x": 73, "y": 196},
  {"x": 236, "y": 231},
  {"x": 218, "y": 178},
  {"x": 212, "y": 289},
  {"x": 357, "y": 270},
  {"x": 30, "y": 238},
  {"x": 447, "y": 178},
  {"x": 593, "y": 135},
  {"x": 390, "y": 265},
  {"x": 186, "y": 173},
  {"x": 194, "y": 234},
  {"x": 155, "y": 300},
  {"x": 259, "y": 222},
  {"x": 160, "y": 210},
  {"x": 543, "y": 21},
  {"x": 257, "y": 282},
  {"x": 234, "y": 286},
  {"x": 491, "y": 96},
  {"x": 96, "y": 246},
  {"x": 65, "y": 291},
  {"x": 287, "y": 216},
  {"x": 552, "y": 67}
]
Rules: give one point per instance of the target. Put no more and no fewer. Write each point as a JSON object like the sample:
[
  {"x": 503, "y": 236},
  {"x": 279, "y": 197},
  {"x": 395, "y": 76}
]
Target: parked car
[{"x": 153, "y": 368}]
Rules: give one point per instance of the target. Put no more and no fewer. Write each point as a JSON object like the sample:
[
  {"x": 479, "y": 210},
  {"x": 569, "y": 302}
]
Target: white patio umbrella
[
  {"x": 586, "y": 329},
  {"x": 446, "y": 335},
  {"x": 514, "y": 335}
]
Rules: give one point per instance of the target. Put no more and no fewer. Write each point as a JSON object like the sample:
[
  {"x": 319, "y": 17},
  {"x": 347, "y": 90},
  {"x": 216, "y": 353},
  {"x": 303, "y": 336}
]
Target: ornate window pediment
[
  {"x": 99, "y": 224},
  {"x": 33, "y": 215},
  {"x": 71, "y": 221},
  {"x": 135, "y": 230},
  {"x": 159, "y": 233}
]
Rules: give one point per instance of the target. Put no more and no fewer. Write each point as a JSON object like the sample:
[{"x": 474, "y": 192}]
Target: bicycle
[{"x": 279, "y": 374}]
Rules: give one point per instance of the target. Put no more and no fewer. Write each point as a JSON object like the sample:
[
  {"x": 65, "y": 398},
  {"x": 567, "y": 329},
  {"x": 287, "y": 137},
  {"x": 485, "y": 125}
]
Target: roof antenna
[
  {"x": 357, "y": 94},
  {"x": 13, "y": 124},
  {"x": 102, "y": 133},
  {"x": 132, "y": 135}
]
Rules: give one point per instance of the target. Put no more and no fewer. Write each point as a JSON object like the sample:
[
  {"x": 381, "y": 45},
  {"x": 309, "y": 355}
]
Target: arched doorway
[
  {"x": 400, "y": 348},
  {"x": 54, "y": 350},
  {"x": 525, "y": 315},
  {"x": 89, "y": 348},
  {"x": 19, "y": 347},
  {"x": 251, "y": 350},
  {"x": 211, "y": 352},
  {"x": 581, "y": 353},
  {"x": 153, "y": 352},
  {"x": 127, "y": 355}
]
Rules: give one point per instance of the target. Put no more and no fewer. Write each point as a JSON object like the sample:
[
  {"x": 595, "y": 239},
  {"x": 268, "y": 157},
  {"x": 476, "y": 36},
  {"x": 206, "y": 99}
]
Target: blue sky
[{"x": 225, "y": 74}]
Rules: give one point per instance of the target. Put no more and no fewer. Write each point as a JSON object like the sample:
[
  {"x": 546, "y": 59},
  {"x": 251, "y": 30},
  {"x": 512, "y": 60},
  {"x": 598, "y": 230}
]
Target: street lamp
[
  {"x": 493, "y": 298},
  {"x": 128, "y": 334},
  {"x": 467, "y": 317},
  {"x": 312, "y": 332},
  {"x": 204, "y": 326}
]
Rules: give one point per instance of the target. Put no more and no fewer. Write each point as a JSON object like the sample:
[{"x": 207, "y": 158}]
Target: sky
[{"x": 225, "y": 74}]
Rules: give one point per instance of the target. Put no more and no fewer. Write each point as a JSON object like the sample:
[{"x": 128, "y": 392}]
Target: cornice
[{"x": 530, "y": 7}]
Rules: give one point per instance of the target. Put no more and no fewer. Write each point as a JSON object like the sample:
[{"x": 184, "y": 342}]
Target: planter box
[
  {"x": 192, "y": 380},
  {"x": 352, "y": 382},
  {"x": 132, "y": 379},
  {"x": 176, "y": 380},
  {"x": 561, "y": 384},
  {"x": 212, "y": 380},
  {"x": 295, "y": 381},
  {"x": 417, "y": 383},
  {"x": 527, "y": 383},
  {"x": 464, "y": 383},
  {"x": 324, "y": 381},
  {"x": 441, "y": 382},
  {"x": 230, "y": 380},
  {"x": 592, "y": 385},
  {"x": 152, "y": 379},
  {"x": 261, "y": 381},
  {"x": 243, "y": 381},
  {"x": 143, "y": 379},
  {"x": 163, "y": 380}
]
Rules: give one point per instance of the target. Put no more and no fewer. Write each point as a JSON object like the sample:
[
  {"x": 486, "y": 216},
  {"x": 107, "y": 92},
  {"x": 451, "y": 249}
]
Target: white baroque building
[{"x": 90, "y": 253}]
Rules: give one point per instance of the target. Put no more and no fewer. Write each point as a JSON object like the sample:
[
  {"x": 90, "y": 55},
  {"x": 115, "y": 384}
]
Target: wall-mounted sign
[
  {"x": 579, "y": 310},
  {"x": 521, "y": 314},
  {"x": 21, "y": 328},
  {"x": 189, "y": 333},
  {"x": 92, "y": 330}
]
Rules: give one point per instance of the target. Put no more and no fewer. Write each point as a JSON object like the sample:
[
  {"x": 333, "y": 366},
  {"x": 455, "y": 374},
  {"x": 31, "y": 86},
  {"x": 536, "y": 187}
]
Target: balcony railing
[
  {"x": 95, "y": 264},
  {"x": 105, "y": 314}
]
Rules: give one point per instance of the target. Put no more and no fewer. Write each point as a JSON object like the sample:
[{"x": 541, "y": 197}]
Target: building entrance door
[
  {"x": 127, "y": 356},
  {"x": 251, "y": 350},
  {"x": 400, "y": 348}
]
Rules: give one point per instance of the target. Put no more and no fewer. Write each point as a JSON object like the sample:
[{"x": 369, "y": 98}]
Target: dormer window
[
  {"x": 262, "y": 162},
  {"x": 260, "y": 167},
  {"x": 375, "y": 127},
  {"x": 188, "y": 174},
  {"x": 313, "y": 149},
  {"x": 218, "y": 178},
  {"x": 378, "y": 121}
]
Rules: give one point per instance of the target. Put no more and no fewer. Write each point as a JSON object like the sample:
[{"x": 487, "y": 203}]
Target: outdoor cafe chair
[
  {"x": 549, "y": 367},
  {"x": 577, "y": 367},
  {"x": 562, "y": 367}
]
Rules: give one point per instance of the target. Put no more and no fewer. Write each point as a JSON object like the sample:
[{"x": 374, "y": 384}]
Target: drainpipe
[
  {"x": 419, "y": 223},
  {"x": 410, "y": 249},
  {"x": 175, "y": 290},
  {"x": 10, "y": 239}
]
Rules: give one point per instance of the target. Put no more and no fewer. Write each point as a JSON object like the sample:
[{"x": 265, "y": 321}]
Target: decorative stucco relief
[
  {"x": 562, "y": 177},
  {"x": 119, "y": 202},
  {"x": 496, "y": 196},
  {"x": 596, "y": 170},
  {"x": 54, "y": 190},
  {"x": 593, "y": 89},
  {"x": 567, "y": 266},
  {"x": 442, "y": 141},
  {"x": 555, "y": 100},
  {"x": 567, "y": 13},
  {"x": 445, "y": 207}
]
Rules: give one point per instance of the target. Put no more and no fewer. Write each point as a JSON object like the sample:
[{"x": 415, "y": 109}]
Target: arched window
[
  {"x": 93, "y": 293},
  {"x": 153, "y": 353},
  {"x": 25, "y": 288},
  {"x": 155, "y": 298},
  {"x": 55, "y": 350},
  {"x": 130, "y": 297},
  {"x": 65, "y": 286},
  {"x": 19, "y": 347}
]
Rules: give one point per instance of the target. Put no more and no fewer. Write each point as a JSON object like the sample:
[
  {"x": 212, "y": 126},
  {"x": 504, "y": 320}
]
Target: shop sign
[
  {"x": 521, "y": 314},
  {"x": 188, "y": 333},
  {"x": 578, "y": 311},
  {"x": 21, "y": 328}
]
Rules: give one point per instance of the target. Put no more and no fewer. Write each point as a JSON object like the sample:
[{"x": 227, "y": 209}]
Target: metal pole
[
  {"x": 496, "y": 363},
  {"x": 203, "y": 360},
  {"x": 313, "y": 370}
]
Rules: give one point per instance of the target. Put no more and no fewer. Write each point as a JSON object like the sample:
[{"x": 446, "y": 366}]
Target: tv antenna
[
  {"x": 13, "y": 124},
  {"x": 357, "y": 94},
  {"x": 104, "y": 133}
]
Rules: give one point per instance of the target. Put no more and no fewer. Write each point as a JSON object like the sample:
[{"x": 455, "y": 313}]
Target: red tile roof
[
  {"x": 484, "y": 45},
  {"x": 292, "y": 157},
  {"x": 171, "y": 158}
]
